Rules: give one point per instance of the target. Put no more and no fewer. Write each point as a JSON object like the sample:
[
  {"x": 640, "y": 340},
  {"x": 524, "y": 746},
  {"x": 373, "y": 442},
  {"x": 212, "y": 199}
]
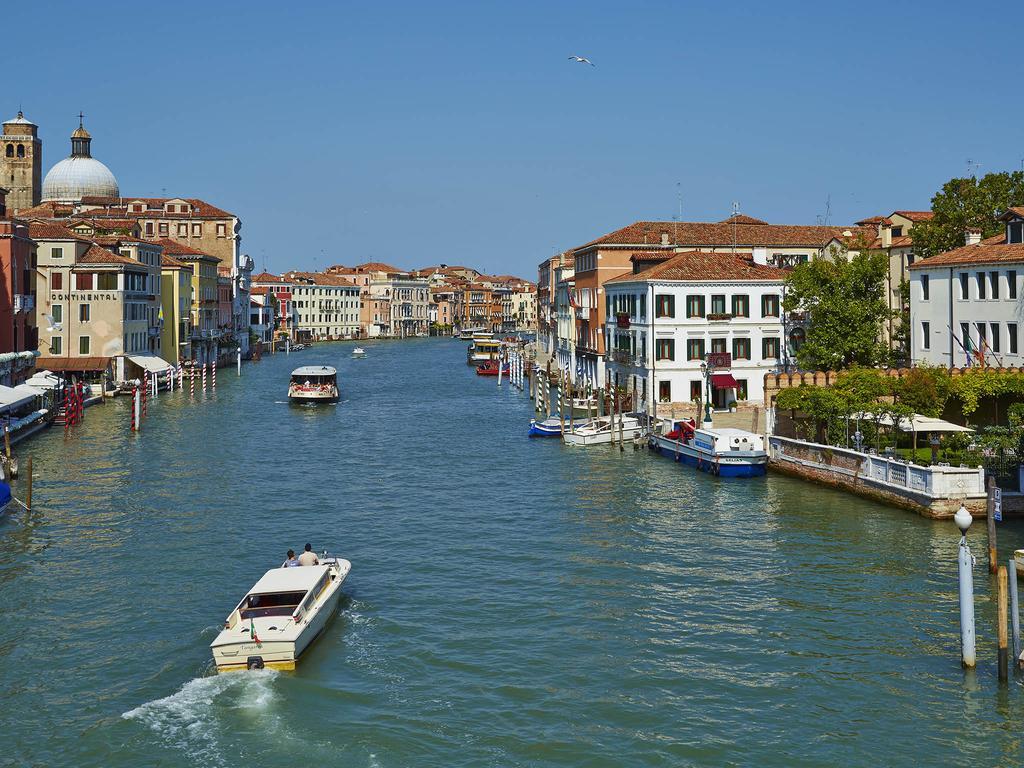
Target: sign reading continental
[{"x": 80, "y": 296}]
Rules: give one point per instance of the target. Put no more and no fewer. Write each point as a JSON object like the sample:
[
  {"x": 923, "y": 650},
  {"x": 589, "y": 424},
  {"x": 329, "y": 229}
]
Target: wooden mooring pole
[
  {"x": 990, "y": 521},
  {"x": 1001, "y": 629}
]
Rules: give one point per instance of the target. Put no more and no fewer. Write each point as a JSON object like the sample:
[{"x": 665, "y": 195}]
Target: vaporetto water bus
[
  {"x": 313, "y": 384},
  {"x": 283, "y": 613},
  {"x": 483, "y": 350},
  {"x": 724, "y": 452}
]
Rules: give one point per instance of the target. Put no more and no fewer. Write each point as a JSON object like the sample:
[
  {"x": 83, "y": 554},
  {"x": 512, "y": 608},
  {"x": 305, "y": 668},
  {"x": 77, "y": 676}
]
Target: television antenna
[
  {"x": 972, "y": 167},
  {"x": 734, "y": 216}
]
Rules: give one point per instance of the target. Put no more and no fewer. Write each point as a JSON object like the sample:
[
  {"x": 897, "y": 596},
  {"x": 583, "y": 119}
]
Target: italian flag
[{"x": 252, "y": 631}]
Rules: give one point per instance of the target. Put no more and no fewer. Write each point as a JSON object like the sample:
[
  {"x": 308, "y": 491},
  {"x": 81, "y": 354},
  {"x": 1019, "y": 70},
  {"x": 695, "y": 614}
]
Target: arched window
[
  {"x": 10, "y": 150},
  {"x": 21, "y": 150}
]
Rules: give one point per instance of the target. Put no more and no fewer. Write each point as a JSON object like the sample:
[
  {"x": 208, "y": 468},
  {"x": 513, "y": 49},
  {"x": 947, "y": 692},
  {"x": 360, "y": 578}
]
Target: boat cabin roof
[
  {"x": 315, "y": 370},
  {"x": 301, "y": 578}
]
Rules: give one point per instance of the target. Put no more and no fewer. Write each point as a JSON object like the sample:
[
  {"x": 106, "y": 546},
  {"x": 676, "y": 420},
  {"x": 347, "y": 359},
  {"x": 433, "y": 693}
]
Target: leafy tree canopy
[
  {"x": 845, "y": 301},
  {"x": 964, "y": 204}
]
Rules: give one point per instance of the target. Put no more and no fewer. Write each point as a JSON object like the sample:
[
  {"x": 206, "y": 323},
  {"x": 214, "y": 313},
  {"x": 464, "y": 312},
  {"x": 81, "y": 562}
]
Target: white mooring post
[
  {"x": 1014, "y": 614},
  {"x": 965, "y": 562},
  {"x": 137, "y": 415},
  {"x": 239, "y": 361}
]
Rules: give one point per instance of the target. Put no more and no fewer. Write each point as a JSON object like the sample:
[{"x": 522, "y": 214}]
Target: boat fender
[{"x": 254, "y": 662}]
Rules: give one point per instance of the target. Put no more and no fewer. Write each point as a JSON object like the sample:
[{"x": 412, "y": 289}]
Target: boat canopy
[
  {"x": 301, "y": 578},
  {"x": 150, "y": 363},
  {"x": 315, "y": 370},
  {"x": 15, "y": 397}
]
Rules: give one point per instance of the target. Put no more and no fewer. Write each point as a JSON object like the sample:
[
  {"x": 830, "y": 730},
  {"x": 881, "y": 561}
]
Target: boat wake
[{"x": 194, "y": 719}]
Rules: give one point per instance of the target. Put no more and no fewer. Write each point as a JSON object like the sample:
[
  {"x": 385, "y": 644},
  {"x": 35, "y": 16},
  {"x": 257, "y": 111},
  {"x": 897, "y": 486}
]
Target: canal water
[{"x": 512, "y": 602}]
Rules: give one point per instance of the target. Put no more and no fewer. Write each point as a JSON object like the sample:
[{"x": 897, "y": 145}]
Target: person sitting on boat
[
  {"x": 309, "y": 556},
  {"x": 291, "y": 561}
]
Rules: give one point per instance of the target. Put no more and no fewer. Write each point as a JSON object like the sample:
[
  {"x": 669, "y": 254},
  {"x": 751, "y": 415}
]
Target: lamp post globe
[{"x": 963, "y": 519}]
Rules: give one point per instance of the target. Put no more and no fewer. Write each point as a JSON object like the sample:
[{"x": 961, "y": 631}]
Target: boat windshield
[
  {"x": 312, "y": 380},
  {"x": 270, "y": 604}
]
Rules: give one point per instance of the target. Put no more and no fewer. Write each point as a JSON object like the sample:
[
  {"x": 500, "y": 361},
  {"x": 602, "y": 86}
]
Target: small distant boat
[
  {"x": 724, "y": 452},
  {"x": 298, "y": 347},
  {"x": 552, "y": 427},
  {"x": 604, "y": 430},
  {"x": 467, "y": 334},
  {"x": 283, "y": 613},
  {"x": 490, "y": 368},
  {"x": 358, "y": 352},
  {"x": 313, "y": 384}
]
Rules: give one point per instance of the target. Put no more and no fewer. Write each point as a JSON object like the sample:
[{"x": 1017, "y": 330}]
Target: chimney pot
[
  {"x": 973, "y": 237},
  {"x": 664, "y": 238}
]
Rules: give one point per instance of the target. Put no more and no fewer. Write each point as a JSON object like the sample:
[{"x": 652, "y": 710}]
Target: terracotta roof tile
[
  {"x": 687, "y": 233},
  {"x": 100, "y": 255},
  {"x": 46, "y": 230},
  {"x": 174, "y": 248},
  {"x": 739, "y": 218},
  {"x": 703, "y": 266},
  {"x": 200, "y": 208},
  {"x": 915, "y": 215},
  {"x": 170, "y": 261},
  {"x": 983, "y": 253}
]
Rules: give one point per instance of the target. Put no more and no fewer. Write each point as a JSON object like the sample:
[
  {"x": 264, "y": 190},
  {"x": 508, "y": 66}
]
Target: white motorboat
[
  {"x": 358, "y": 352},
  {"x": 604, "y": 430},
  {"x": 280, "y": 617},
  {"x": 313, "y": 384}
]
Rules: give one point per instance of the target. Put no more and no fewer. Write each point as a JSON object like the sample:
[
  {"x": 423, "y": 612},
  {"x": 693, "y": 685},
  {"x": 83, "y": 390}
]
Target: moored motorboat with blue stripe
[
  {"x": 552, "y": 427},
  {"x": 723, "y": 452}
]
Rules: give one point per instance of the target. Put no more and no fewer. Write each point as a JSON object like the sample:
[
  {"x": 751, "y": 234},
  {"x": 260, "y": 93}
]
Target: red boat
[{"x": 490, "y": 368}]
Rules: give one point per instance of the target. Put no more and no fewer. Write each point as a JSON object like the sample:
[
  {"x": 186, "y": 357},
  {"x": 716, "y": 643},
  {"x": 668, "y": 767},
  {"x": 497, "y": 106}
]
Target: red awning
[{"x": 723, "y": 381}]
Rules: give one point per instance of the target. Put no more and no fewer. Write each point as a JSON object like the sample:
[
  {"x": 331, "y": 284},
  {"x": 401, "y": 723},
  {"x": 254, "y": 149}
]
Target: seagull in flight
[{"x": 582, "y": 60}]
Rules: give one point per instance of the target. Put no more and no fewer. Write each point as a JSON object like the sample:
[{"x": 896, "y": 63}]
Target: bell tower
[{"x": 21, "y": 159}]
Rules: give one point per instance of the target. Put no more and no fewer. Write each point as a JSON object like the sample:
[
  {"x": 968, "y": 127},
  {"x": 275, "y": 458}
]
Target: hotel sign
[{"x": 81, "y": 296}]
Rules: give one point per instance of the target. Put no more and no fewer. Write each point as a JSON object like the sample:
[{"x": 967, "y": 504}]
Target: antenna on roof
[
  {"x": 972, "y": 167},
  {"x": 678, "y": 217},
  {"x": 734, "y": 216},
  {"x": 828, "y": 210}
]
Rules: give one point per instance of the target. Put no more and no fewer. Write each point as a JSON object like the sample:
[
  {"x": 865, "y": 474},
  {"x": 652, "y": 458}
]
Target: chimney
[
  {"x": 885, "y": 234},
  {"x": 664, "y": 238},
  {"x": 973, "y": 237},
  {"x": 761, "y": 255}
]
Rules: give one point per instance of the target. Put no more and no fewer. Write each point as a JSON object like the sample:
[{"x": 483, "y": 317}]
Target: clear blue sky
[{"x": 418, "y": 133}]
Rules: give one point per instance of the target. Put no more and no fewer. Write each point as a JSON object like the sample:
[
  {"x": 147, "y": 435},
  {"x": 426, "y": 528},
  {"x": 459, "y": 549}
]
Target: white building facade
[
  {"x": 695, "y": 308},
  {"x": 966, "y": 304},
  {"x": 326, "y": 306}
]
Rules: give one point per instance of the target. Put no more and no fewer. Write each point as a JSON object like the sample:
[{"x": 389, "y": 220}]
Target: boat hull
[
  {"x": 740, "y": 464},
  {"x": 552, "y": 427}
]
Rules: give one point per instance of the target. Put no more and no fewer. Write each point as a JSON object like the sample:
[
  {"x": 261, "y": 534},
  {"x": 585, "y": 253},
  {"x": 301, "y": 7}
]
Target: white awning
[
  {"x": 150, "y": 363},
  {"x": 14, "y": 397},
  {"x": 917, "y": 423}
]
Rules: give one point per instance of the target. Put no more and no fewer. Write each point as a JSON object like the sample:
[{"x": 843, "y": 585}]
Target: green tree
[
  {"x": 964, "y": 204},
  {"x": 924, "y": 390},
  {"x": 844, "y": 299}
]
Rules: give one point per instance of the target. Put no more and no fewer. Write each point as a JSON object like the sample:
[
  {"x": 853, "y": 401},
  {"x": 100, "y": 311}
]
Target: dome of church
[
  {"x": 76, "y": 177},
  {"x": 80, "y": 175}
]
